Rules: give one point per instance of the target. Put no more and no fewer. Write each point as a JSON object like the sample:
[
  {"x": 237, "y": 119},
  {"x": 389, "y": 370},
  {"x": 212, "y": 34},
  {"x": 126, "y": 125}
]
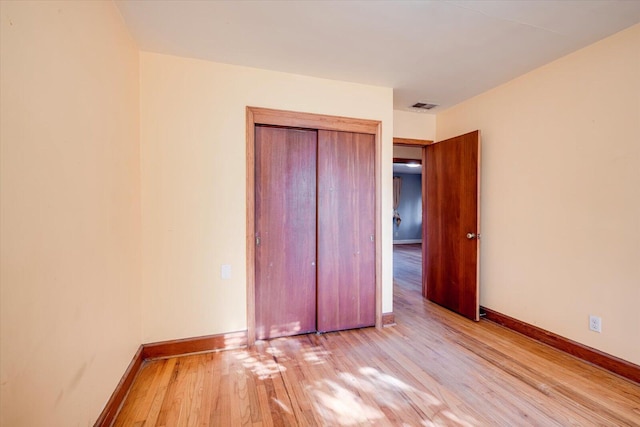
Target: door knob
[{"x": 471, "y": 236}]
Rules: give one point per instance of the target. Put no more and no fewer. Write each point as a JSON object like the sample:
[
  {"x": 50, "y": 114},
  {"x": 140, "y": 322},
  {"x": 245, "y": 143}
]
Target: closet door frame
[{"x": 266, "y": 116}]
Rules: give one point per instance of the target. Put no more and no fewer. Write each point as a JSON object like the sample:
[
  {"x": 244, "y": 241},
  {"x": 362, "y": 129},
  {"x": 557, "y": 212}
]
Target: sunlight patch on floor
[
  {"x": 363, "y": 395},
  {"x": 341, "y": 406},
  {"x": 261, "y": 366},
  {"x": 282, "y": 405},
  {"x": 345, "y": 402},
  {"x": 315, "y": 355}
]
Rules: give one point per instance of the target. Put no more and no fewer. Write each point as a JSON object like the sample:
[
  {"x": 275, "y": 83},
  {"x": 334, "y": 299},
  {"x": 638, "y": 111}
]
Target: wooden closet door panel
[
  {"x": 346, "y": 230},
  {"x": 285, "y": 221}
]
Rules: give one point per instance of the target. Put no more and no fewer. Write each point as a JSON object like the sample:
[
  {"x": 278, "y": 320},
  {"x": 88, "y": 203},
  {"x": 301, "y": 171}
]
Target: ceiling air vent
[{"x": 423, "y": 106}]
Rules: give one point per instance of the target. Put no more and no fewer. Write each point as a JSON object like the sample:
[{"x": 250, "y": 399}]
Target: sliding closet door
[
  {"x": 285, "y": 227},
  {"x": 346, "y": 230}
]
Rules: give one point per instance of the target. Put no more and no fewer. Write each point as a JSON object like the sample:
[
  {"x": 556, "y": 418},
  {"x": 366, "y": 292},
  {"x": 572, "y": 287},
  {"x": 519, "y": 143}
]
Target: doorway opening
[
  {"x": 451, "y": 222},
  {"x": 407, "y": 222},
  {"x": 408, "y": 213}
]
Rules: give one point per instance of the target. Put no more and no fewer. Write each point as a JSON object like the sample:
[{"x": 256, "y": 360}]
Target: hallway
[{"x": 407, "y": 266}]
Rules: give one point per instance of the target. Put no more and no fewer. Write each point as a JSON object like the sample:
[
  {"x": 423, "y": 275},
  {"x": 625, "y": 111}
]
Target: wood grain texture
[
  {"x": 412, "y": 142},
  {"x": 407, "y": 266},
  {"x": 388, "y": 319},
  {"x": 346, "y": 231},
  {"x": 452, "y": 202},
  {"x": 265, "y": 116},
  {"x": 614, "y": 364},
  {"x": 378, "y": 225},
  {"x": 313, "y": 121},
  {"x": 285, "y": 218},
  {"x": 162, "y": 349},
  {"x": 118, "y": 396},
  {"x": 183, "y": 346},
  {"x": 433, "y": 368},
  {"x": 401, "y": 160},
  {"x": 250, "y": 200}
]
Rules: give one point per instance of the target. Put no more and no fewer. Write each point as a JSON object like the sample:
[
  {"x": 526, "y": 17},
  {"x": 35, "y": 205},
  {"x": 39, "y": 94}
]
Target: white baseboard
[{"x": 406, "y": 242}]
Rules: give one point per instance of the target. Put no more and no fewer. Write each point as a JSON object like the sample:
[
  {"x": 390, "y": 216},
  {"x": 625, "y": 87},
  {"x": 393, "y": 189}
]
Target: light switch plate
[{"x": 225, "y": 271}]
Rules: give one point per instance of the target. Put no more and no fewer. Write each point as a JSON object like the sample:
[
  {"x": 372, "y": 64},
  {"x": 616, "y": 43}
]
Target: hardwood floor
[
  {"x": 407, "y": 267},
  {"x": 432, "y": 368}
]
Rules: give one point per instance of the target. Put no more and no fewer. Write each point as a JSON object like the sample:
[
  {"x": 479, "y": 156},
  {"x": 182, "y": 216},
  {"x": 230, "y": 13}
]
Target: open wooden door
[{"x": 451, "y": 224}]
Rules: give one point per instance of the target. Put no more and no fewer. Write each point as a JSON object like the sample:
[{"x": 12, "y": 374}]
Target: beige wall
[
  {"x": 193, "y": 182},
  {"x": 402, "y": 152},
  {"x": 70, "y": 218},
  {"x": 407, "y": 124},
  {"x": 561, "y": 193},
  {"x": 561, "y": 200}
]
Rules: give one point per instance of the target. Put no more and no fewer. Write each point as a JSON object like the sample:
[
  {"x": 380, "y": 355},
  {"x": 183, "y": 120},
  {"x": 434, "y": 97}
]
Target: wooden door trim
[
  {"x": 407, "y": 161},
  {"x": 267, "y": 116},
  {"x": 423, "y": 161},
  {"x": 424, "y": 222},
  {"x": 407, "y": 142}
]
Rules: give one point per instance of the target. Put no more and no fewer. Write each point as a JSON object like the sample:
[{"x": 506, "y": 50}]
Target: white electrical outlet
[
  {"x": 595, "y": 323},
  {"x": 225, "y": 271}
]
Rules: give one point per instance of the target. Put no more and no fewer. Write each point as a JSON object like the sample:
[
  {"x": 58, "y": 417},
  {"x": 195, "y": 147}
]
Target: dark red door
[
  {"x": 346, "y": 230},
  {"x": 285, "y": 188},
  {"x": 451, "y": 224}
]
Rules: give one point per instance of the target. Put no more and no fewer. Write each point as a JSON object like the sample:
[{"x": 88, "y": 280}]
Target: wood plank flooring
[{"x": 432, "y": 368}]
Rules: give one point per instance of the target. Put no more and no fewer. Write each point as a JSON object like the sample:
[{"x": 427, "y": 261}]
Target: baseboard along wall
[
  {"x": 407, "y": 241},
  {"x": 120, "y": 393},
  {"x": 163, "y": 349},
  {"x": 388, "y": 319},
  {"x": 234, "y": 340},
  {"x": 611, "y": 363}
]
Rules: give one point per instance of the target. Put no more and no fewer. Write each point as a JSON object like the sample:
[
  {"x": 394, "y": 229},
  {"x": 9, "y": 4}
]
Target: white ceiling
[{"x": 440, "y": 52}]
